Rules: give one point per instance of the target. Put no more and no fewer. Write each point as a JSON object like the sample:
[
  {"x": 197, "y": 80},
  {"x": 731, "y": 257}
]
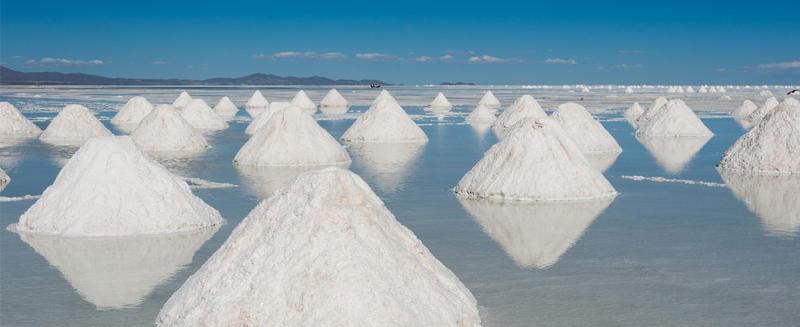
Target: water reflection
[
  {"x": 774, "y": 199},
  {"x": 11, "y": 151},
  {"x": 387, "y": 165},
  {"x": 673, "y": 153},
  {"x": 480, "y": 128},
  {"x": 535, "y": 235},
  {"x": 744, "y": 123},
  {"x": 337, "y": 110},
  {"x": 263, "y": 181},
  {"x": 118, "y": 272}
]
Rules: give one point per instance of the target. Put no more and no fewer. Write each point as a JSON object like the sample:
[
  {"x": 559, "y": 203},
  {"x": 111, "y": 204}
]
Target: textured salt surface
[
  {"x": 132, "y": 113},
  {"x": 771, "y": 147},
  {"x": 675, "y": 119},
  {"x": 302, "y": 101},
  {"x": 524, "y": 107},
  {"x": 333, "y": 103},
  {"x": 385, "y": 122},
  {"x": 588, "y": 133},
  {"x": 73, "y": 126},
  {"x": 182, "y": 100},
  {"x": 264, "y": 117},
  {"x": 225, "y": 108},
  {"x": 4, "y": 179},
  {"x": 164, "y": 130},
  {"x": 198, "y": 114},
  {"x": 14, "y": 124}
]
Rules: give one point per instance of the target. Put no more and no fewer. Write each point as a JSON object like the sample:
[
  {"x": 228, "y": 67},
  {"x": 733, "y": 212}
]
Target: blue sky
[{"x": 410, "y": 42}]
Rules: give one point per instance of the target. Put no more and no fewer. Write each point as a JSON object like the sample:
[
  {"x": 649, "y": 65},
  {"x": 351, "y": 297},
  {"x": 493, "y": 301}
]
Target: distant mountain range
[{"x": 9, "y": 76}]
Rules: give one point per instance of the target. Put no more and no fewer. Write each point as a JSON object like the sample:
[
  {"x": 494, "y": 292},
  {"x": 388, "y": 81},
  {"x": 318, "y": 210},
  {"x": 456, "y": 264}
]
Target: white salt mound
[
  {"x": 789, "y": 101},
  {"x": 689, "y": 89},
  {"x": 385, "y": 122},
  {"x": 264, "y": 117},
  {"x": 703, "y": 89},
  {"x": 291, "y": 138},
  {"x": 256, "y": 105},
  {"x": 384, "y": 95},
  {"x": 440, "y": 103},
  {"x": 225, "y": 108},
  {"x": 164, "y": 130},
  {"x": 765, "y": 108},
  {"x": 198, "y": 114},
  {"x": 634, "y": 112},
  {"x": 628, "y": 90},
  {"x": 132, "y": 113},
  {"x": 771, "y": 147},
  {"x": 536, "y": 161},
  {"x": 658, "y": 104},
  {"x": 14, "y": 124},
  {"x": 111, "y": 188},
  {"x": 588, "y": 133},
  {"x": 746, "y": 109},
  {"x": 489, "y": 100},
  {"x": 334, "y": 256},
  {"x": 524, "y": 107},
  {"x": 72, "y": 126},
  {"x": 302, "y": 101},
  {"x": 4, "y": 179},
  {"x": 182, "y": 100},
  {"x": 676, "y": 119},
  {"x": 334, "y": 102},
  {"x": 481, "y": 114}
]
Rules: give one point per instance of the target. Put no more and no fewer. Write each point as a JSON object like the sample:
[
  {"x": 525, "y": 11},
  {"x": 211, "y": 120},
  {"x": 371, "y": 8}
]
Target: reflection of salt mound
[
  {"x": 291, "y": 138},
  {"x": 481, "y": 114},
  {"x": 4, "y": 179},
  {"x": 387, "y": 165},
  {"x": 535, "y": 235},
  {"x": 118, "y": 272},
  {"x": 489, "y": 100},
  {"x": 111, "y": 188},
  {"x": 602, "y": 161},
  {"x": 765, "y": 108},
  {"x": 536, "y": 161},
  {"x": 334, "y": 103},
  {"x": 72, "y": 126},
  {"x": 385, "y": 122},
  {"x": 182, "y": 100},
  {"x": 745, "y": 109},
  {"x": 302, "y": 101},
  {"x": 771, "y": 147},
  {"x": 256, "y": 105},
  {"x": 633, "y": 113},
  {"x": 132, "y": 113},
  {"x": 744, "y": 123},
  {"x": 164, "y": 130},
  {"x": 673, "y": 153},
  {"x": 588, "y": 133},
  {"x": 676, "y": 119},
  {"x": 263, "y": 181},
  {"x": 440, "y": 103},
  {"x": 774, "y": 199},
  {"x": 14, "y": 124},
  {"x": 524, "y": 107},
  {"x": 198, "y": 114},
  {"x": 225, "y": 108},
  {"x": 264, "y": 117},
  {"x": 658, "y": 104},
  {"x": 350, "y": 261}
]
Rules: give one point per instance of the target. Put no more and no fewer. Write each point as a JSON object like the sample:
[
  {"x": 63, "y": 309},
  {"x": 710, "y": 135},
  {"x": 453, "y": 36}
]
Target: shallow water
[{"x": 659, "y": 254}]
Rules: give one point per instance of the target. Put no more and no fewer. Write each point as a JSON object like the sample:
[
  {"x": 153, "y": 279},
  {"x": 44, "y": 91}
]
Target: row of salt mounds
[
  {"x": 771, "y": 147},
  {"x": 746, "y": 109},
  {"x": 111, "y": 188},
  {"x": 335, "y": 256},
  {"x": 675, "y": 119},
  {"x": 654, "y": 108},
  {"x": 264, "y": 117},
  {"x": 385, "y": 122},
  {"x": 481, "y": 114},
  {"x": 132, "y": 113},
  {"x": 225, "y": 108},
  {"x": 302, "y": 101},
  {"x": 14, "y": 124},
  {"x": 489, "y": 100},
  {"x": 256, "y": 104},
  {"x": 182, "y": 100},
  {"x": 164, "y": 130},
  {"x": 634, "y": 112},
  {"x": 524, "y": 107},
  {"x": 762, "y": 110},
  {"x": 73, "y": 126},
  {"x": 198, "y": 114},
  {"x": 440, "y": 103},
  {"x": 588, "y": 133},
  {"x": 536, "y": 161},
  {"x": 291, "y": 138},
  {"x": 4, "y": 179},
  {"x": 334, "y": 103}
]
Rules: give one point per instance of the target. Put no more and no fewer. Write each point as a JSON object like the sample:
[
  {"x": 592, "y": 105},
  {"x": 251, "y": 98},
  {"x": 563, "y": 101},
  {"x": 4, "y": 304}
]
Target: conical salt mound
[
  {"x": 536, "y": 161},
  {"x": 489, "y": 100},
  {"x": 264, "y": 117},
  {"x": 703, "y": 89},
  {"x": 775, "y": 199},
  {"x": 334, "y": 256},
  {"x": 440, "y": 103},
  {"x": 689, "y": 89},
  {"x": 72, "y": 126},
  {"x": 628, "y": 90},
  {"x": 675, "y": 120},
  {"x": 198, "y": 114},
  {"x": 762, "y": 111},
  {"x": 291, "y": 138},
  {"x": 588, "y": 133},
  {"x": 746, "y": 109},
  {"x": 164, "y": 130},
  {"x": 225, "y": 108},
  {"x": 14, "y": 124},
  {"x": 524, "y": 107},
  {"x": 658, "y": 104},
  {"x": 385, "y": 122},
  {"x": 633, "y": 113},
  {"x": 302, "y": 101},
  {"x": 4, "y": 179},
  {"x": 182, "y": 100},
  {"x": 384, "y": 95},
  {"x": 132, "y": 113},
  {"x": 111, "y": 188},
  {"x": 256, "y": 105},
  {"x": 481, "y": 114},
  {"x": 771, "y": 147},
  {"x": 334, "y": 103}
]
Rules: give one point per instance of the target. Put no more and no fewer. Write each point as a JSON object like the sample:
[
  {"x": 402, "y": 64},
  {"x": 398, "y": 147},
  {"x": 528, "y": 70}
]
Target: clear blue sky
[{"x": 410, "y": 41}]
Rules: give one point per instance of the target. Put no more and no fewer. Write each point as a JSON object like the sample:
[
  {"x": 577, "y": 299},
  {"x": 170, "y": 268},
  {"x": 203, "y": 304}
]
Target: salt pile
[
  {"x": 440, "y": 103},
  {"x": 481, "y": 114},
  {"x": 588, "y": 133},
  {"x": 765, "y": 93},
  {"x": 291, "y": 138},
  {"x": 791, "y": 102},
  {"x": 4, "y": 179},
  {"x": 634, "y": 112},
  {"x": 132, "y": 113},
  {"x": 585, "y": 89},
  {"x": 524, "y": 107},
  {"x": 676, "y": 119},
  {"x": 386, "y": 165},
  {"x": 654, "y": 108},
  {"x": 703, "y": 89},
  {"x": 746, "y": 109},
  {"x": 302, "y": 101},
  {"x": 182, "y": 100},
  {"x": 489, "y": 100},
  {"x": 771, "y": 147},
  {"x": 628, "y": 90},
  {"x": 72, "y": 126},
  {"x": 334, "y": 256},
  {"x": 774, "y": 199},
  {"x": 256, "y": 105},
  {"x": 264, "y": 117},
  {"x": 225, "y": 108},
  {"x": 111, "y": 188},
  {"x": 14, "y": 124},
  {"x": 198, "y": 114},
  {"x": 689, "y": 89},
  {"x": 385, "y": 122},
  {"x": 334, "y": 103},
  {"x": 536, "y": 161},
  {"x": 673, "y": 154},
  {"x": 164, "y": 130},
  {"x": 765, "y": 108}
]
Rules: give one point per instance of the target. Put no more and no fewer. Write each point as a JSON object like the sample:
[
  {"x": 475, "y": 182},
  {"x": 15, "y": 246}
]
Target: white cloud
[
  {"x": 159, "y": 62},
  {"x": 781, "y": 65},
  {"x": 627, "y": 66},
  {"x": 49, "y": 61},
  {"x": 423, "y": 59},
  {"x": 446, "y": 57},
  {"x": 301, "y": 55},
  {"x": 443, "y": 58},
  {"x": 486, "y": 59},
  {"x": 374, "y": 56},
  {"x": 560, "y": 61}
]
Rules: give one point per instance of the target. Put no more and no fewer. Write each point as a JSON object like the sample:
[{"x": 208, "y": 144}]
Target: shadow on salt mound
[
  {"x": 118, "y": 272},
  {"x": 535, "y": 235},
  {"x": 386, "y": 165},
  {"x": 774, "y": 199},
  {"x": 673, "y": 153}
]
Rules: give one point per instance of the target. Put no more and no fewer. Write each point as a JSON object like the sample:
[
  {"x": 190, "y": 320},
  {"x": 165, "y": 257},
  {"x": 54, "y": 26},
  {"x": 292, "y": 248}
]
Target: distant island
[
  {"x": 456, "y": 83},
  {"x": 9, "y": 76}
]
